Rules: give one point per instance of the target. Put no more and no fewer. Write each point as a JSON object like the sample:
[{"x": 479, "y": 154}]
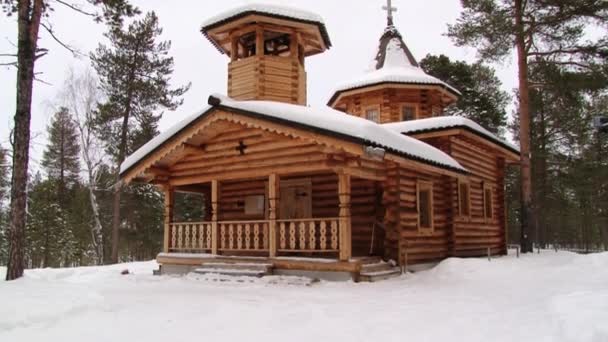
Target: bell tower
[{"x": 267, "y": 46}]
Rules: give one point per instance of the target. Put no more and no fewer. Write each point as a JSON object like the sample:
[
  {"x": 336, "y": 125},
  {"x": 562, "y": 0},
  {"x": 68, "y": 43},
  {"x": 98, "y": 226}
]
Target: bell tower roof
[
  {"x": 393, "y": 65},
  {"x": 311, "y": 27}
]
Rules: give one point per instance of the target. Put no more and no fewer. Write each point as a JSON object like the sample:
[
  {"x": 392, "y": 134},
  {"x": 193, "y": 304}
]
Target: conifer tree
[
  {"x": 482, "y": 100},
  {"x": 553, "y": 30},
  {"x": 61, "y": 158},
  {"x": 135, "y": 72}
]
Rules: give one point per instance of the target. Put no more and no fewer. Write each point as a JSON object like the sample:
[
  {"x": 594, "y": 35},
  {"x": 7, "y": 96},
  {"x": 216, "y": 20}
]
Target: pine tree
[
  {"x": 553, "y": 30},
  {"x": 30, "y": 15},
  {"x": 135, "y": 71},
  {"x": 60, "y": 159},
  {"x": 482, "y": 99}
]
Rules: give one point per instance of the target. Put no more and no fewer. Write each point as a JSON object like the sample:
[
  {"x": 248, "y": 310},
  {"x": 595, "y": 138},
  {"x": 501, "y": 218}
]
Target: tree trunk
[
  {"x": 26, "y": 50},
  {"x": 527, "y": 213},
  {"x": 117, "y": 187}
]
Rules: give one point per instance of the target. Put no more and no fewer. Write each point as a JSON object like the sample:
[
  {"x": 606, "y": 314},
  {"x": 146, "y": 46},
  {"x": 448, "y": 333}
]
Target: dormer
[
  {"x": 394, "y": 88},
  {"x": 267, "y": 46}
]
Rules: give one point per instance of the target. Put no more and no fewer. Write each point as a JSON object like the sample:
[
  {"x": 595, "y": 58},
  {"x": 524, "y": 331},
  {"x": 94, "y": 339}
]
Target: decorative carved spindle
[
  {"x": 239, "y": 236},
  {"x": 223, "y": 235},
  {"x": 273, "y": 199},
  {"x": 180, "y": 236},
  {"x": 266, "y": 235},
  {"x": 282, "y": 235},
  {"x": 334, "y": 234},
  {"x": 256, "y": 236},
  {"x": 201, "y": 236},
  {"x": 312, "y": 243},
  {"x": 302, "y": 235},
  {"x": 214, "y": 215},
  {"x": 247, "y": 236},
  {"x": 292, "y": 235},
  {"x": 231, "y": 236},
  {"x": 323, "y": 235},
  {"x": 209, "y": 234},
  {"x": 187, "y": 237},
  {"x": 173, "y": 236}
]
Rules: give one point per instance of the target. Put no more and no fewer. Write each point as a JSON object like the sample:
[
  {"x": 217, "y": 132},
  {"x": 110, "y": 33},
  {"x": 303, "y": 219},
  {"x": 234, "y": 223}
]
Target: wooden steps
[
  {"x": 236, "y": 269},
  {"x": 379, "y": 270}
]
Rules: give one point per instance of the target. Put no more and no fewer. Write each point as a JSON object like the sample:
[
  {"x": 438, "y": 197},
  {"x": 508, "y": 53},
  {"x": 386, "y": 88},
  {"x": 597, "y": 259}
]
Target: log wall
[
  {"x": 403, "y": 235},
  {"x": 272, "y": 78},
  {"x": 389, "y": 101}
]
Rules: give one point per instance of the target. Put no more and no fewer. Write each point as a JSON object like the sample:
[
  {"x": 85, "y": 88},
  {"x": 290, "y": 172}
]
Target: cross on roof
[{"x": 389, "y": 11}]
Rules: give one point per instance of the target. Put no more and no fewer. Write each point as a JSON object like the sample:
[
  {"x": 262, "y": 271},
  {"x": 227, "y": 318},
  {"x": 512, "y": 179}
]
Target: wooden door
[{"x": 295, "y": 201}]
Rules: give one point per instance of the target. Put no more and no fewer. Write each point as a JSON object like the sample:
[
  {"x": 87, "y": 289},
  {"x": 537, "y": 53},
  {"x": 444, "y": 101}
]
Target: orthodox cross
[
  {"x": 389, "y": 11},
  {"x": 241, "y": 148}
]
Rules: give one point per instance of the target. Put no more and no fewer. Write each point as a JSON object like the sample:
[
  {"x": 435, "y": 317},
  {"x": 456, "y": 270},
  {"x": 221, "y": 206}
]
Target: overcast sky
[{"x": 354, "y": 27}]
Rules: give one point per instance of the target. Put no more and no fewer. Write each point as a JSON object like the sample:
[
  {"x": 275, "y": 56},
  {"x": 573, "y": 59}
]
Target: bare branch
[
  {"x": 49, "y": 29},
  {"x": 76, "y": 8}
]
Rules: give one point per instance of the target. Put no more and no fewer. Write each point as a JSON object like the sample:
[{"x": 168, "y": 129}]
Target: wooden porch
[{"x": 278, "y": 230}]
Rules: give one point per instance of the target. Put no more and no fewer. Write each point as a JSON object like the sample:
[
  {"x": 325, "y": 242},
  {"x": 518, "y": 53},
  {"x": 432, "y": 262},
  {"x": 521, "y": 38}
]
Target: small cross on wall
[
  {"x": 389, "y": 11},
  {"x": 242, "y": 147}
]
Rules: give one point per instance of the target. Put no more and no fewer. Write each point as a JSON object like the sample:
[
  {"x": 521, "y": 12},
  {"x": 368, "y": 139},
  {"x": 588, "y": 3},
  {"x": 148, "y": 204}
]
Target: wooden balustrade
[
  {"x": 243, "y": 235},
  {"x": 315, "y": 235},
  {"x": 190, "y": 237}
]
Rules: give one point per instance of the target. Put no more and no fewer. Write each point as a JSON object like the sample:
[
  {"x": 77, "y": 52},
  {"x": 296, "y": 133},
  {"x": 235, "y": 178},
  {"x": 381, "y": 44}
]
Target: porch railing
[
  {"x": 243, "y": 235},
  {"x": 308, "y": 235},
  {"x": 314, "y": 235},
  {"x": 190, "y": 237}
]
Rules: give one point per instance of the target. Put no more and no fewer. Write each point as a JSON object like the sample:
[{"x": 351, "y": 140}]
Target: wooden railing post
[
  {"x": 273, "y": 197},
  {"x": 345, "y": 220},
  {"x": 168, "y": 218},
  {"x": 214, "y": 214}
]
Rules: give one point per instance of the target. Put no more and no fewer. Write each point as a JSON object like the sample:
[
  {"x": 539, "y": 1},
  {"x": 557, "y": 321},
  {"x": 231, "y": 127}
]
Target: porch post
[
  {"x": 345, "y": 220},
  {"x": 168, "y": 217},
  {"x": 273, "y": 196},
  {"x": 214, "y": 213}
]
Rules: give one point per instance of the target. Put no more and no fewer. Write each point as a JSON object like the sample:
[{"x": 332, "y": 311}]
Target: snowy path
[{"x": 546, "y": 297}]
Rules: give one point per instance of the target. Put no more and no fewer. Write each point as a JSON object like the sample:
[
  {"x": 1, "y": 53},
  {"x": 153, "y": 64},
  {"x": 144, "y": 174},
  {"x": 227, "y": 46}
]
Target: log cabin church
[{"x": 376, "y": 179}]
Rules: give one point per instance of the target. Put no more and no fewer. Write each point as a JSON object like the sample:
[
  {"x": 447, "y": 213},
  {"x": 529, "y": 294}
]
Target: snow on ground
[{"x": 546, "y": 297}]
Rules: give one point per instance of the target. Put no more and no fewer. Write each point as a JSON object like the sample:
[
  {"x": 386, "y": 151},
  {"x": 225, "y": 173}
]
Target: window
[
  {"x": 372, "y": 114},
  {"x": 425, "y": 206},
  {"x": 464, "y": 199},
  {"x": 254, "y": 205},
  {"x": 488, "y": 205},
  {"x": 408, "y": 112}
]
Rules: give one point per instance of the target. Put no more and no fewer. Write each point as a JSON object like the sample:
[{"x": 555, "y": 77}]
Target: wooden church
[{"x": 378, "y": 175}]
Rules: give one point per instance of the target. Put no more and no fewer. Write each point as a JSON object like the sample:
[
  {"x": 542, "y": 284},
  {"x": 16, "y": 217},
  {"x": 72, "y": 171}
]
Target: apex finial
[{"x": 389, "y": 11}]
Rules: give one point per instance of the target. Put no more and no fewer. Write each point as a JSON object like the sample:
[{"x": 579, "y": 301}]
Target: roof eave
[
  {"x": 320, "y": 25},
  {"x": 338, "y": 93}
]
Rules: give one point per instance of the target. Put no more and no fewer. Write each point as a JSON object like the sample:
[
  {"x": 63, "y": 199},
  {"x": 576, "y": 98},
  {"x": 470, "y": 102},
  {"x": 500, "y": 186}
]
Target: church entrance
[{"x": 295, "y": 201}]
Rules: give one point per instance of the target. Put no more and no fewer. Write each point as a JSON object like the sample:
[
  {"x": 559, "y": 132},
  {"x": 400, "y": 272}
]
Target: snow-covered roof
[
  {"x": 155, "y": 142},
  {"x": 278, "y": 11},
  {"x": 323, "y": 120},
  {"x": 445, "y": 122},
  {"x": 392, "y": 63},
  {"x": 273, "y": 10},
  {"x": 347, "y": 126}
]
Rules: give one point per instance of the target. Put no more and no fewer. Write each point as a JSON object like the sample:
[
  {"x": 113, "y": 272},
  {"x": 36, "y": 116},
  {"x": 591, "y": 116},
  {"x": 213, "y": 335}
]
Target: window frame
[
  {"x": 373, "y": 107},
  {"x": 487, "y": 187},
  {"x": 409, "y": 104},
  {"x": 423, "y": 185},
  {"x": 466, "y": 183}
]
